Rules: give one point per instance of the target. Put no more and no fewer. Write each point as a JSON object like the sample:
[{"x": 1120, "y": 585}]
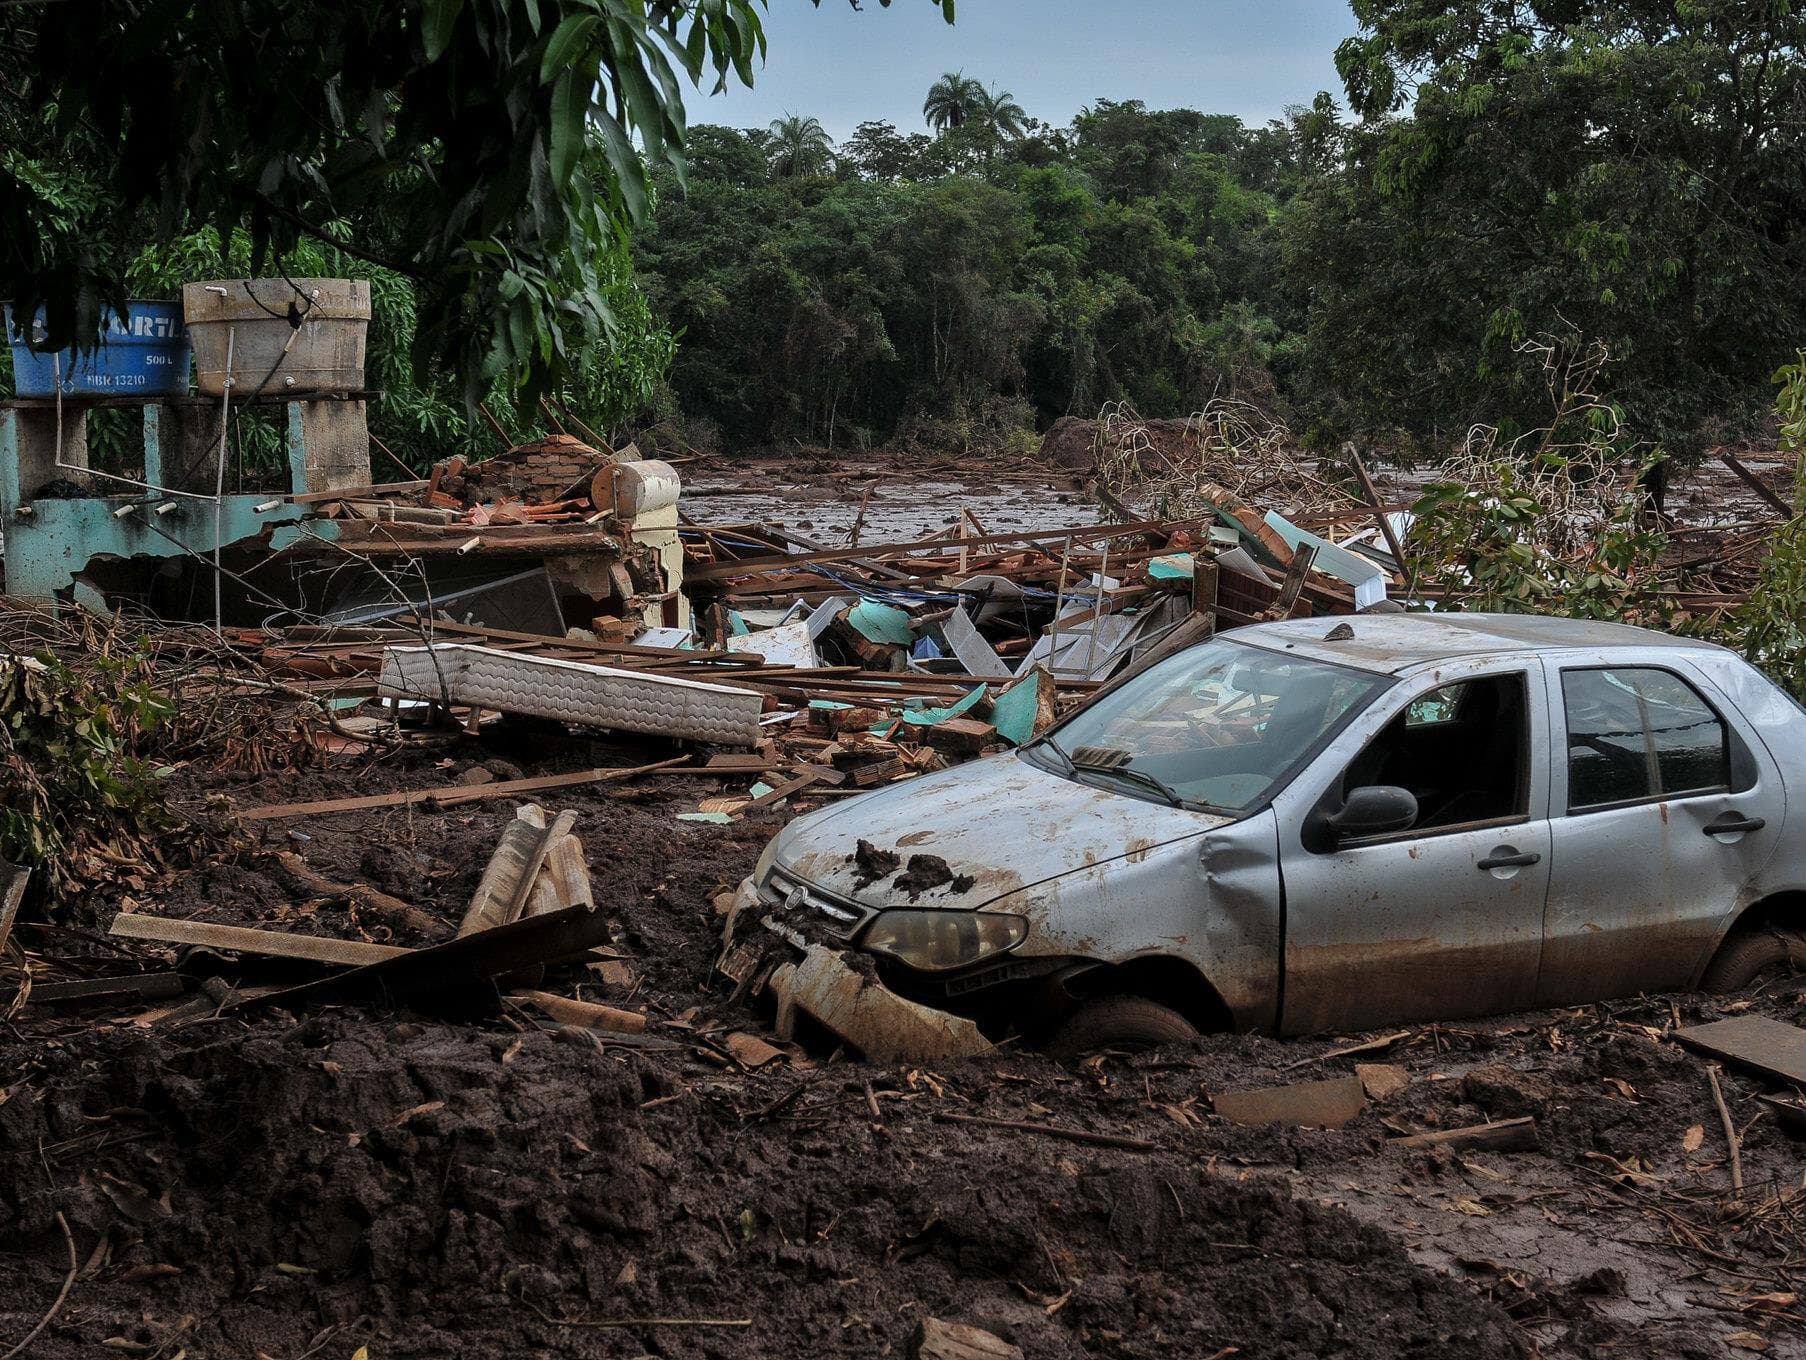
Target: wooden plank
[
  {"x": 1504, "y": 1135},
  {"x": 1753, "y": 1041},
  {"x": 1304, "y": 557},
  {"x": 742, "y": 764},
  {"x": 132, "y": 925},
  {"x": 459, "y": 967},
  {"x": 757, "y": 565},
  {"x": 563, "y": 881},
  {"x": 523, "y": 888},
  {"x": 452, "y": 796},
  {"x": 628, "y": 649},
  {"x": 782, "y": 791},
  {"x": 1393, "y": 545},
  {"x": 493, "y": 903},
  {"x": 137, "y": 986}
]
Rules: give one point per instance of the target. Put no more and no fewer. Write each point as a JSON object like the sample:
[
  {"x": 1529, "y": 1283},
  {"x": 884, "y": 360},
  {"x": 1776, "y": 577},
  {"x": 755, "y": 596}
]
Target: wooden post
[
  {"x": 1393, "y": 544},
  {"x": 1304, "y": 557},
  {"x": 1756, "y": 484}
]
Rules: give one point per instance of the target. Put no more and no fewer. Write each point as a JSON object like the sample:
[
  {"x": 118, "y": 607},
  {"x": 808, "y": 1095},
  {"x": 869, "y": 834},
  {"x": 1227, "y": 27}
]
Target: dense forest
[
  {"x": 1382, "y": 262},
  {"x": 1626, "y": 173}
]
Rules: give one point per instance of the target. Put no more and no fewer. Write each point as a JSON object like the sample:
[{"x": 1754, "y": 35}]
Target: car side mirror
[{"x": 1373, "y": 810}]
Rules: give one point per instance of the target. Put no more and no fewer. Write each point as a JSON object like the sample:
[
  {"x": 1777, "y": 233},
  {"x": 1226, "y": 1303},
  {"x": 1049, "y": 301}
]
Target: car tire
[
  {"x": 1748, "y": 954},
  {"x": 1131, "y": 1022}
]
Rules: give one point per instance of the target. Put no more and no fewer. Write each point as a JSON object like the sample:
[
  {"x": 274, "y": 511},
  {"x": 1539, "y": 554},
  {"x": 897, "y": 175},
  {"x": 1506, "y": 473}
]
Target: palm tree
[
  {"x": 799, "y": 147},
  {"x": 996, "y": 113},
  {"x": 951, "y": 101}
]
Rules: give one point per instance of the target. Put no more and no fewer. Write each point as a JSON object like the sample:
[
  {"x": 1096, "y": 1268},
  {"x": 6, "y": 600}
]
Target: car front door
[
  {"x": 1666, "y": 809},
  {"x": 1442, "y": 919}
]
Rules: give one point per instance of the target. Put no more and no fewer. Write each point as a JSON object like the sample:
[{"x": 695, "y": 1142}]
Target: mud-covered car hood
[{"x": 1000, "y": 824}]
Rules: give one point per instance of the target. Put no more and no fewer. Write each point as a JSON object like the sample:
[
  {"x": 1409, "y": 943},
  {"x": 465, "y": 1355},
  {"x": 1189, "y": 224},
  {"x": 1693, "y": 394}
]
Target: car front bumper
[{"x": 763, "y": 955}]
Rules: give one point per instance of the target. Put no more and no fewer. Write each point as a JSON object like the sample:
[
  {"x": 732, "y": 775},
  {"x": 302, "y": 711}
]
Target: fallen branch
[
  {"x": 1504, "y": 1135},
  {"x": 1385, "y": 1041},
  {"x": 63, "y": 1293},
  {"x": 1113, "y": 1140},
  {"x": 1731, "y": 1139},
  {"x": 393, "y": 911}
]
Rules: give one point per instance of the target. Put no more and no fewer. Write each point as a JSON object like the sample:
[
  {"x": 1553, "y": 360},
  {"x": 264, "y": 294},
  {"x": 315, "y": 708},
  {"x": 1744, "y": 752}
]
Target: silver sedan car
[{"x": 1310, "y": 825}]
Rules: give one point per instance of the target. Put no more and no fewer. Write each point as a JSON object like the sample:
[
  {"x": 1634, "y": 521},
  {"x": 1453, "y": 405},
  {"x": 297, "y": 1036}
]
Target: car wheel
[
  {"x": 1131, "y": 1022},
  {"x": 1748, "y": 954}
]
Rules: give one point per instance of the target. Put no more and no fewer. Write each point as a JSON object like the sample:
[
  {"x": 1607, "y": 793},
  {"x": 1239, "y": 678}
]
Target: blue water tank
[{"x": 144, "y": 353}]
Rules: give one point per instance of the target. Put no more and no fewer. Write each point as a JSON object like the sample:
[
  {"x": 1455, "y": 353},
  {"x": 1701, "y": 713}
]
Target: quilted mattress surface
[{"x": 573, "y": 692}]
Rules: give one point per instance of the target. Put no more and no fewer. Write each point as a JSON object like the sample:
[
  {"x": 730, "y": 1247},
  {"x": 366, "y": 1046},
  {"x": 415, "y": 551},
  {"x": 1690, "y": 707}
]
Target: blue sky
[{"x": 1246, "y": 57}]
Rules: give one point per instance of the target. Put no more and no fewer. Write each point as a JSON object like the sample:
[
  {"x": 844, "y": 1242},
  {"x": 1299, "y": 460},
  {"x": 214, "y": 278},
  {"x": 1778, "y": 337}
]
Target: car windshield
[{"x": 1221, "y": 725}]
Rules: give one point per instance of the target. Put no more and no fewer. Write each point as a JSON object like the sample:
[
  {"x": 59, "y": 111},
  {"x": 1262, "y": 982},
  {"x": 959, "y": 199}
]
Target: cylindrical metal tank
[{"x": 286, "y": 336}]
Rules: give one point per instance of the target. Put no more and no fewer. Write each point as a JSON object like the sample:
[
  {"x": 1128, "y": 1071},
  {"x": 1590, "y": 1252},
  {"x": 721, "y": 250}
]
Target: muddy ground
[
  {"x": 318, "y": 1180},
  {"x": 312, "y": 1182}
]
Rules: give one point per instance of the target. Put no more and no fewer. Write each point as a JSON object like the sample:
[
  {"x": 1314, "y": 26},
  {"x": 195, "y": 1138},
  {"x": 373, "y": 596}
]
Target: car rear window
[{"x": 1637, "y": 733}]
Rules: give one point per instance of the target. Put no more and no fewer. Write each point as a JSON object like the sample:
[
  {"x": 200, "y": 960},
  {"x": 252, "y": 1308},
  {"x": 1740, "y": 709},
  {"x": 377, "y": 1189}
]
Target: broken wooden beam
[
  {"x": 450, "y": 797},
  {"x": 462, "y": 965},
  {"x": 492, "y": 904},
  {"x": 587, "y": 1014},
  {"x": 137, "y": 986},
  {"x": 780, "y": 792},
  {"x": 1503, "y": 1135},
  {"x": 133, "y": 925},
  {"x": 1756, "y": 484}
]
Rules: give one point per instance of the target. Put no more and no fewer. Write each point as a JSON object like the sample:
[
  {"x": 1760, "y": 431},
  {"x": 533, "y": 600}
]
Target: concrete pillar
[
  {"x": 183, "y": 443},
  {"x": 28, "y": 445},
  {"x": 329, "y": 445}
]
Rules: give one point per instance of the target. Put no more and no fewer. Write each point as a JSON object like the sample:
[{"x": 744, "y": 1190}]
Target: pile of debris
[{"x": 839, "y": 669}]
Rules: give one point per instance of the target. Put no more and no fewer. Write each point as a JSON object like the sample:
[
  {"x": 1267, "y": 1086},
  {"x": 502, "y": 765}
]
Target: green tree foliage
[
  {"x": 1771, "y": 626},
  {"x": 952, "y": 101},
  {"x": 1628, "y": 168},
  {"x": 971, "y": 282},
  {"x": 799, "y": 146},
  {"x": 491, "y": 151}
]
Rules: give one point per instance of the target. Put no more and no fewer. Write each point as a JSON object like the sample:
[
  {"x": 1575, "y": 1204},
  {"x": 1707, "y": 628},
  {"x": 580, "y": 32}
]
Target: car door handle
[
  {"x": 1733, "y": 823},
  {"x": 1512, "y": 859}
]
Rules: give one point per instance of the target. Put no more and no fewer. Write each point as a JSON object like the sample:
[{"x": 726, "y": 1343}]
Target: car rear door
[
  {"x": 1665, "y": 806},
  {"x": 1444, "y": 919}
]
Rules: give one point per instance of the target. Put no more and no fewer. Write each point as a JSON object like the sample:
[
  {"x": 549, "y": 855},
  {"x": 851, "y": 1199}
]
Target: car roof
[{"x": 1394, "y": 643}]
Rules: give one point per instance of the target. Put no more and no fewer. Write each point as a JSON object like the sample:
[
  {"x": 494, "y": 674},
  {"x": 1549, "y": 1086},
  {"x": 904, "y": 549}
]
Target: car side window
[
  {"x": 1636, "y": 733},
  {"x": 1462, "y": 751}
]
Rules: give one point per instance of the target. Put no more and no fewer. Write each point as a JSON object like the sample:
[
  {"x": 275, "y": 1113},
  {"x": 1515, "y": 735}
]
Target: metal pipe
[{"x": 219, "y": 486}]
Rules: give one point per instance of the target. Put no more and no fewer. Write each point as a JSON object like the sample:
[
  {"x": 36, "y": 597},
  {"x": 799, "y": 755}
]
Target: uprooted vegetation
[
  {"x": 1172, "y": 469},
  {"x": 1556, "y": 519},
  {"x": 95, "y": 717}
]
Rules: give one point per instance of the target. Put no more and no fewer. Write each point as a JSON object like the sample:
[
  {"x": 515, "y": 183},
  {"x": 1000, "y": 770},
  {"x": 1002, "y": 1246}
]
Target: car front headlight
[{"x": 935, "y": 941}]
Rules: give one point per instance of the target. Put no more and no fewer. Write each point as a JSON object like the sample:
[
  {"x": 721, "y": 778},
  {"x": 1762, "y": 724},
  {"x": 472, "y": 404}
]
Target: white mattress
[{"x": 573, "y": 692}]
